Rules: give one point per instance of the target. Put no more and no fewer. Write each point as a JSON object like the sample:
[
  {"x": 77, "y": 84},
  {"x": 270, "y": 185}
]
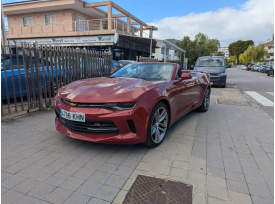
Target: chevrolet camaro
[{"x": 135, "y": 104}]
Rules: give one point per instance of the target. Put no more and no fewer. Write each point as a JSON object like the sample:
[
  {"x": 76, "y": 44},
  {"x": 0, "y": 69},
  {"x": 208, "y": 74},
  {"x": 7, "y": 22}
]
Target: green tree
[
  {"x": 232, "y": 59},
  {"x": 219, "y": 53},
  {"x": 237, "y": 48},
  {"x": 253, "y": 54},
  {"x": 209, "y": 47}
]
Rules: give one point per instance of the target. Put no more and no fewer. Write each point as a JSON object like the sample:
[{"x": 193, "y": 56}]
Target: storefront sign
[{"x": 72, "y": 40}]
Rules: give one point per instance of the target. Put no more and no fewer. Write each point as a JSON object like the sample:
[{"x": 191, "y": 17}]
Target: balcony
[{"x": 71, "y": 28}]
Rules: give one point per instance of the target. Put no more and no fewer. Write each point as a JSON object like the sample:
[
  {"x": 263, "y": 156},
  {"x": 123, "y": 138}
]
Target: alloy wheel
[{"x": 159, "y": 125}]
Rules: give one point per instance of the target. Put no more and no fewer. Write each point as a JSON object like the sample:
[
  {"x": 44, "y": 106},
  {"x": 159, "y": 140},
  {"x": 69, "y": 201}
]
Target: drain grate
[{"x": 147, "y": 190}]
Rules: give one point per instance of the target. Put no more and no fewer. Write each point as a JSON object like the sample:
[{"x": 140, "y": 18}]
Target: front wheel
[
  {"x": 157, "y": 125},
  {"x": 206, "y": 101}
]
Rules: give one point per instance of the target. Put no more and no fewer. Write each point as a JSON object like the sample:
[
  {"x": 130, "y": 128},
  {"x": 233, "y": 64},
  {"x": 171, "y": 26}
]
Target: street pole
[
  {"x": 151, "y": 42},
  {"x": 200, "y": 48},
  {"x": 3, "y": 29}
]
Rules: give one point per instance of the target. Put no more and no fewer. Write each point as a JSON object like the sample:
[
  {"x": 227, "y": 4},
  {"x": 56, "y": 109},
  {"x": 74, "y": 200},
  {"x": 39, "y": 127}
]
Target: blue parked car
[{"x": 8, "y": 65}]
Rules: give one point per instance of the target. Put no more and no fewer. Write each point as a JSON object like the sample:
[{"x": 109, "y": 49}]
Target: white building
[
  {"x": 225, "y": 50},
  {"x": 171, "y": 51}
]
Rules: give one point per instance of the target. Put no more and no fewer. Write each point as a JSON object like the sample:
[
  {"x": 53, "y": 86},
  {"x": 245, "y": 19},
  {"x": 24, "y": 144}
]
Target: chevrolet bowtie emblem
[{"x": 73, "y": 104}]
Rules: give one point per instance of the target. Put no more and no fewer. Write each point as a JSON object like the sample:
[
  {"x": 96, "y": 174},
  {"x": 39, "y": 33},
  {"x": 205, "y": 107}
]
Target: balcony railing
[{"x": 66, "y": 26}]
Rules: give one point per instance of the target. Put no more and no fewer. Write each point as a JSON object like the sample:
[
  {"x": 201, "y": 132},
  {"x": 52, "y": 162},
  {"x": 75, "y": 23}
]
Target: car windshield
[
  {"x": 210, "y": 62},
  {"x": 146, "y": 71}
]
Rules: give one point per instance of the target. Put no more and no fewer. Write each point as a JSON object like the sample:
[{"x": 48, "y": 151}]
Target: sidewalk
[{"x": 225, "y": 153}]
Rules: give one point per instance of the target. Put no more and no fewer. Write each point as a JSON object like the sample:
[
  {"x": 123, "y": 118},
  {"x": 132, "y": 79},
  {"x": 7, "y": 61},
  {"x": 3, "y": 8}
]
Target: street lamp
[
  {"x": 200, "y": 48},
  {"x": 152, "y": 28}
]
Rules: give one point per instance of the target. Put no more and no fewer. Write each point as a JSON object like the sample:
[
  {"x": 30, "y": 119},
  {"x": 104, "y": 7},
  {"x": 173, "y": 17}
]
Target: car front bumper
[
  {"x": 130, "y": 124},
  {"x": 218, "y": 81}
]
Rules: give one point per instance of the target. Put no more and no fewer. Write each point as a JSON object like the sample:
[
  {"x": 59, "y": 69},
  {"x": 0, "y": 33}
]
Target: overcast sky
[{"x": 226, "y": 20}]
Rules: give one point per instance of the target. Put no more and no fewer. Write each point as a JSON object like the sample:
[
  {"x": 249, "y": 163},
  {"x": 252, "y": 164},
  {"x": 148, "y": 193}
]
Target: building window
[
  {"x": 50, "y": 19},
  {"x": 27, "y": 21},
  {"x": 81, "y": 23}
]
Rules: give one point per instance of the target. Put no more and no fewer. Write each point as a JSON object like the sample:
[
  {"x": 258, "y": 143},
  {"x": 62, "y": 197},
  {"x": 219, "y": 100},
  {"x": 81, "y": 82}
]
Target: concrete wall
[{"x": 15, "y": 23}]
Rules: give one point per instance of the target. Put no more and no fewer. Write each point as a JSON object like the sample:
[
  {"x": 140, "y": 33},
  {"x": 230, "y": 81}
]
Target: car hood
[
  {"x": 104, "y": 89},
  {"x": 210, "y": 69}
]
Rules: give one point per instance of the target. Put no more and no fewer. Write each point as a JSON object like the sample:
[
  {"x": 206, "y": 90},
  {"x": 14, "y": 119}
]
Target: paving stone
[
  {"x": 123, "y": 171},
  {"x": 199, "y": 199},
  {"x": 235, "y": 176},
  {"x": 216, "y": 192},
  {"x": 16, "y": 167},
  {"x": 116, "y": 181},
  {"x": 26, "y": 186},
  {"x": 59, "y": 195},
  {"x": 12, "y": 181},
  {"x": 220, "y": 173},
  {"x": 10, "y": 196},
  {"x": 100, "y": 177},
  {"x": 181, "y": 165},
  {"x": 106, "y": 193},
  {"x": 194, "y": 176},
  {"x": 258, "y": 200},
  {"x": 239, "y": 197},
  {"x": 72, "y": 183},
  {"x": 260, "y": 191},
  {"x": 108, "y": 168},
  {"x": 41, "y": 191},
  {"x": 216, "y": 182},
  {"x": 89, "y": 188},
  {"x": 130, "y": 163},
  {"x": 56, "y": 179},
  {"x": 28, "y": 171},
  {"x": 181, "y": 173},
  {"x": 27, "y": 200},
  {"x": 76, "y": 198},
  {"x": 212, "y": 200},
  {"x": 84, "y": 173},
  {"x": 69, "y": 169},
  {"x": 237, "y": 186},
  {"x": 98, "y": 201},
  {"x": 42, "y": 175},
  {"x": 5, "y": 175}
]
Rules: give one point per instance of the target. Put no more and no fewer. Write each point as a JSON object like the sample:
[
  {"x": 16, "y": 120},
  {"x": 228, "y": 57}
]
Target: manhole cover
[{"x": 158, "y": 191}]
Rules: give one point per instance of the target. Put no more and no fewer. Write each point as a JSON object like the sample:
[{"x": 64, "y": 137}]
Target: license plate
[
  {"x": 211, "y": 83},
  {"x": 80, "y": 117}
]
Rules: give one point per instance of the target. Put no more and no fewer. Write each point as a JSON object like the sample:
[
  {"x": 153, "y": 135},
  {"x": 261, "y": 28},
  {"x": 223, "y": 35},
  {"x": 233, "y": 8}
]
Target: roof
[
  {"x": 270, "y": 43},
  {"x": 24, "y": 2}
]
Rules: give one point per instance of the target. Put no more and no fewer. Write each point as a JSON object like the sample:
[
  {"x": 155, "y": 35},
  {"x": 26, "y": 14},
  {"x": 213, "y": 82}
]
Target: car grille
[
  {"x": 214, "y": 75},
  {"x": 89, "y": 126}
]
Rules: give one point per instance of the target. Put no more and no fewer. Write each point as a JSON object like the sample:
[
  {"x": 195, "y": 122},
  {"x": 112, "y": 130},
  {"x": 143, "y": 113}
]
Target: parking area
[{"x": 227, "y": 154}]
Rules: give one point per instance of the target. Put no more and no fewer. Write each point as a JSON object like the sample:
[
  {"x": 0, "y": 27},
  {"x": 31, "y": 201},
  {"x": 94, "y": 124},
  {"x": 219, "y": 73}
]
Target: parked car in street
[
  {"x": 249, "y": 67},
  {"x": 271, "y": 71},
  {"x": 11, "y": 65},
  {"x": 244, "y": 67},
  {"x": 255, "y": 68},
  {"x": 124, "y": 62},
  {"x": 135, "y": 104},
  {"x": 267, "y": 67},
  {"x": 261, "y": 69},
  {"x": 215, "y": 66}
]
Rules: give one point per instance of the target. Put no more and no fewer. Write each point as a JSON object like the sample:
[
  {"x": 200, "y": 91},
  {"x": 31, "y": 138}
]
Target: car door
[{"x": 186, "y": 95}]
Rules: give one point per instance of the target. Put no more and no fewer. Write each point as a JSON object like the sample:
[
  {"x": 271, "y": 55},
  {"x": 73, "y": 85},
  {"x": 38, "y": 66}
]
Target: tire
[
  {"x": 160, "y": 125},
  {"x": 206, "y": 101}
]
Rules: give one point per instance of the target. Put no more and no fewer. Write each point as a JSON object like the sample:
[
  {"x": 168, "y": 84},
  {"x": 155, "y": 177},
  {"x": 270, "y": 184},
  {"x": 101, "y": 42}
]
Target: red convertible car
[{"x": 135, "y": 104}]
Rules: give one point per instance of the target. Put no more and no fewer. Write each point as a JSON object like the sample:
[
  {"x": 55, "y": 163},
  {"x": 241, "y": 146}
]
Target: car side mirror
[{"x": 185, "y": 76}]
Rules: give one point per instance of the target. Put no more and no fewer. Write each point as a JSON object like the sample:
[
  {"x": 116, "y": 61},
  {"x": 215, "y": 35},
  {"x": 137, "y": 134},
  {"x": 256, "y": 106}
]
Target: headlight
[
  {"x": 222, "y": 74},
  {"x": 120, "y": 106},
  {"x": 56, "y": 99}
]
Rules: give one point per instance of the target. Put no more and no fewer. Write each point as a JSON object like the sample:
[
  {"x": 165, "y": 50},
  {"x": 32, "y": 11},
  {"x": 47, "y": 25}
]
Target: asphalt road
[{"x": 257, "y": 87}]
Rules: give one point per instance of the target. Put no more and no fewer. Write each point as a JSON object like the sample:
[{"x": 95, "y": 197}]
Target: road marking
[
  {"x": 262, "y": 100},
  {"x": 271, "y": 93}
]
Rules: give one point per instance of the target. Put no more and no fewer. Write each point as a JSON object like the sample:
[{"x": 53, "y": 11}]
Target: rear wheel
[
  {"x": 206, "y": 101},
  {"x": 157, "y": 125}
]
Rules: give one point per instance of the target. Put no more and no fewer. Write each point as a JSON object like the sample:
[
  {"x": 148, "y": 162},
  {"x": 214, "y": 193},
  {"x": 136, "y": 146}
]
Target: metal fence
[{"x": 31, "y": 73}]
